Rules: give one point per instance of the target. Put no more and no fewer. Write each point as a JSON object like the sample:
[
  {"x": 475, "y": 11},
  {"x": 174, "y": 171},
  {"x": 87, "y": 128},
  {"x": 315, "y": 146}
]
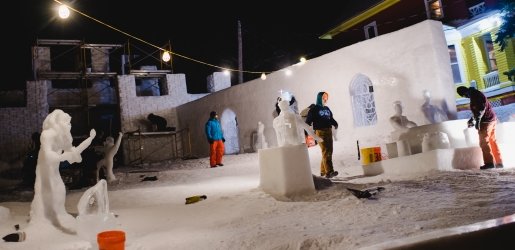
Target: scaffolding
[
  {"x": 68, "y": 65},
  {"x": 146, "y": 147}
]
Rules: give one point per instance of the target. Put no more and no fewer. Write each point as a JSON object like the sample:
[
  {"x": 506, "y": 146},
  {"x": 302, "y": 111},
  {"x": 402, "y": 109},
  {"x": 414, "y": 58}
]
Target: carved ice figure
[
  {"x": 94, "y": 216},
  {"x": 432, "y": 113},
  {"x": 289, "y": 127},
  {"x": 261, "y": 140},
  {"x": 399, "y": 121},
  {"x": 110, "y": 149},
  {"x": 435, "y": 140},
  {"x": 49, "y": 190}
]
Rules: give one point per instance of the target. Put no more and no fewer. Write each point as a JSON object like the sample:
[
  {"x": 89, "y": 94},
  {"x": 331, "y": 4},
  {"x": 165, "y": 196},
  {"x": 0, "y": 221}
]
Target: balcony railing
[
  {"x": 491, "y": 79},
  {"x": 477, "y": 9}
]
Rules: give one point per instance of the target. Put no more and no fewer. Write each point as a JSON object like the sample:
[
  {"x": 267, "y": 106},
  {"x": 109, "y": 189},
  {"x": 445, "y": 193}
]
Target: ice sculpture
[
  {"x": 261, "y": 140},
  {"x": 49, "y": 190},
  {"x": 433, "y": 113},
  {"x": 435, "y": 140},
  {"x": 94, "y": 216},
  {"x": 399, "y": 121},
  {"x": 289, "y": 127},
  {"x": 110, "y": 149}
]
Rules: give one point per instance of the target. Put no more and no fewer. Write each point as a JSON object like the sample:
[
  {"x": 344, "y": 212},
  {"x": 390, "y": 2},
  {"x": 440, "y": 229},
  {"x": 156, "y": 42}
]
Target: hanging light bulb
[
  {"x": 302, "y": 60},
  {"x": 263, "y": 76},
  {"x": 166, "y": 56},
  {"x": 64, "y": 12},
  {"x": 226, "y": 72}
]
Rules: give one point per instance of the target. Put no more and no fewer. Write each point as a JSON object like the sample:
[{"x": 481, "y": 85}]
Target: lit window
[
  {"x": 434, "y": 9},
  {"x": 490, "y": 52},
  {"x": 370, "y": 30},
  {"x": 454, "y": 64}
]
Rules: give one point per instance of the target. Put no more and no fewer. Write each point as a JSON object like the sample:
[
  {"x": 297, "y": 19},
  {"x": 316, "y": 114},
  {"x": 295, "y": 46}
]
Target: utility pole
[{"x": 240, "y": 55}]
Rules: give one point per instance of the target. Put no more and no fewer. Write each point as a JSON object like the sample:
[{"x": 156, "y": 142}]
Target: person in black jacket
[{"x": 322, "y": 119}]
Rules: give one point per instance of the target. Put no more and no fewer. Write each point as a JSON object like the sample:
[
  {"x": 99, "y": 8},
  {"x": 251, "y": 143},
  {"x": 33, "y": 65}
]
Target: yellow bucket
[{"x": 369, "y": 155}]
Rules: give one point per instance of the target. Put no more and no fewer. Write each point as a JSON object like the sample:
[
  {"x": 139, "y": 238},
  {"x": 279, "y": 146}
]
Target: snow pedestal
[{"x": 285, "y": 171}]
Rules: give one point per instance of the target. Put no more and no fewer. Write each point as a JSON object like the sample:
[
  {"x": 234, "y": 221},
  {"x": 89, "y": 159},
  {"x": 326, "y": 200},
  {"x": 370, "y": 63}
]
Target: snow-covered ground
[{"x": 238, "y": 215}]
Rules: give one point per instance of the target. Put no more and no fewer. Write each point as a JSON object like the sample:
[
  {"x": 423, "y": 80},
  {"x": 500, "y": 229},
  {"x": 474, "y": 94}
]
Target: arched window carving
[{"x": 362, "y": 98}]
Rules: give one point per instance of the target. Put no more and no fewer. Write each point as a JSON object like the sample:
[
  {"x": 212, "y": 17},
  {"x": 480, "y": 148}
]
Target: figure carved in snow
[
  {"x": 110, "y": 149},
  {"x": 289, "y": 127},
  {"x": 49, "y": 190}
]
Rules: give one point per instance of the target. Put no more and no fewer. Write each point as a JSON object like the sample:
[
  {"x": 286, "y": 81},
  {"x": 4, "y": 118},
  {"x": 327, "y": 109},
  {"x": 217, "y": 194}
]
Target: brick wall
[{"x": 18, "y": 124}]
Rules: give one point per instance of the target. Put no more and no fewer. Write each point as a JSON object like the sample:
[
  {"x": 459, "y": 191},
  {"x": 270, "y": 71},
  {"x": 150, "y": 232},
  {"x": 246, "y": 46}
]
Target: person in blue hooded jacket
[
  {"x": 322, "y": 119},
  {"x": 216, "y": 140}
]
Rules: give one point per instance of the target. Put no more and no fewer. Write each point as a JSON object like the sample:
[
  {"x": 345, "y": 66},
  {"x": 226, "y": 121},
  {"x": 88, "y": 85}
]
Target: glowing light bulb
[
  {"x": 226, "y": 72},
  {"x": 64, "y": 12},
  {"x": 263, "y": 76},
  {"x": 166, "y": 56},
  {"x": 302, "y": 60}
]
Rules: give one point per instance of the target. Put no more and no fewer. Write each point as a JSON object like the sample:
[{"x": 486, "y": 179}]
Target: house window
[
  {"x": 434, "y": 9},
  {"x": 454, "y": 64},
  {"x": 489, "y": 51},
  {"x": 370, "y": 30},
  {"x": 151, "y": 86},
  {"x": 362, "y": 98}
]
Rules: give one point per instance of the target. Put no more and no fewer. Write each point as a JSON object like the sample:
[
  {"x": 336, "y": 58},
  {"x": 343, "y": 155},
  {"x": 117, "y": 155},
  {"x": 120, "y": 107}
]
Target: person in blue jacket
[
  {"x": 216, "y": 140},
  {"x": 322, "y": 119}
]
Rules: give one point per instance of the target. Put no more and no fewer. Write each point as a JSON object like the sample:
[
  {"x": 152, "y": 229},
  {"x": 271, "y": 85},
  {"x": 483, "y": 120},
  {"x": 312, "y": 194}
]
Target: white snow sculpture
[
  {"x": 110, "y": 149},
  {"x": 289, "y": 127},
  {"x": 433, "y": 113},
  {"x": 49, "y": 190},
  {"x": 261, "y": 140},
  {"x": 435, "y": 140},
  {"x": 399, "y": 121},
  {"x": 94, "y": 216},
  {"x": 277, "y": 164}
]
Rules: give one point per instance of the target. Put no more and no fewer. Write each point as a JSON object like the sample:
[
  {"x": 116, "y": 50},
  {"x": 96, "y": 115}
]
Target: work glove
[
  {"x": 470, "y": 122},
  {"x": 210, "y": 141},
  {"x": 478, "y": 122},
  {"x": 223, "y": 139}
]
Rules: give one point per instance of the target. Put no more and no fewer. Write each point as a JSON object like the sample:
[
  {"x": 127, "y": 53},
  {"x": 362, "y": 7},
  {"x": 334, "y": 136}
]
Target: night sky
[{"x": 274, "y": 36}]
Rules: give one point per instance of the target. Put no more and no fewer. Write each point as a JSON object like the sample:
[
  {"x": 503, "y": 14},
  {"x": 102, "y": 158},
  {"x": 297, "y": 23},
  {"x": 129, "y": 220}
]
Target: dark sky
[{"x": 275, "y": 34}]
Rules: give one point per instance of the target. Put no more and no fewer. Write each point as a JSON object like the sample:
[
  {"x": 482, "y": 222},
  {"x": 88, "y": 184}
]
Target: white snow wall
[{"x": 400, "y": 66}]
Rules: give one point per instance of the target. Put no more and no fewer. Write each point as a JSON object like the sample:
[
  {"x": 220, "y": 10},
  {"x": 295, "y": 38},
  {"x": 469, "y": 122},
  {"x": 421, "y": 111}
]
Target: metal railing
[{"x": 491, "y": 79}]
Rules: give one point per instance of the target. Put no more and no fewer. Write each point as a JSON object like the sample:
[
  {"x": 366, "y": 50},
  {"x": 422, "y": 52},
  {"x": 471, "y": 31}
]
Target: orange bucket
[{"x": 111, "y": 240}]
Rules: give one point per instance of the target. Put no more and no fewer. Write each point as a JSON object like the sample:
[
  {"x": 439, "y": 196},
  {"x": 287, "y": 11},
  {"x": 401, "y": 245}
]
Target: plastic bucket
[
  {"x": 369, "y": 155},
  {"x": 111, "y": 240}
]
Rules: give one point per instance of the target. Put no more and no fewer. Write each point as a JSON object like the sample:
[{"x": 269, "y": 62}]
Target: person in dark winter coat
[
  {"x": 159, "y": 123},
  {"x": 322, "y": 119},
  {"x": 216, "y": 140},
  {"x": 485, "y": 120}
]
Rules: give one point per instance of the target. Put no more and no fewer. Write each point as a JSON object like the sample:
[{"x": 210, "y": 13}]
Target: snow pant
[
  {"x": 326, "y": 166},
  {"x": 216, "y": 152},
  {"x": 488, "y": 143}
]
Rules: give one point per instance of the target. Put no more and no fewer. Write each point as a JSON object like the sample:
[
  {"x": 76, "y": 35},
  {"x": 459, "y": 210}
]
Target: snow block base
[{"x": 285, "y": 171}]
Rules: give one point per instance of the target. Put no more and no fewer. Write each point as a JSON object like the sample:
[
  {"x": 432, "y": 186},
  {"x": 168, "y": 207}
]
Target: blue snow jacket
[{"x": 214, "y": 130}]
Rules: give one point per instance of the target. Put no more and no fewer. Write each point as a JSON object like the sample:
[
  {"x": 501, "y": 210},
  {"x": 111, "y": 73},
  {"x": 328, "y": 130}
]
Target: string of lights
[{"x": 166, "y": 53}]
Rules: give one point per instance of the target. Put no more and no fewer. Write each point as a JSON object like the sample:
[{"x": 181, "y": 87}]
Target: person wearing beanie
[
  {"x": 322, "y": 119},
  {"x": 484, "y": 120},
  {"x": 216, "y": 140}
]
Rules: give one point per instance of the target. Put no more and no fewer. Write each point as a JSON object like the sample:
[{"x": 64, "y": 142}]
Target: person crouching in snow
[{"x": 216, "y": 140}]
